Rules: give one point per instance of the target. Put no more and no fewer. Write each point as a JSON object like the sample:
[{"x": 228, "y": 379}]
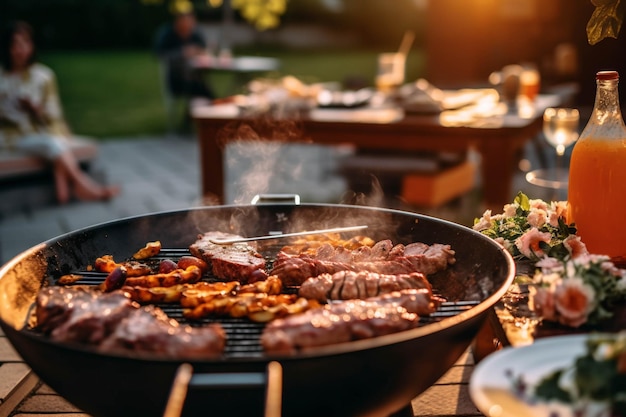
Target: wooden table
[
  {"x": 236, "y": 63},
  {"x": 242, "y": 68},
  {"x": 499, "y": 140}
]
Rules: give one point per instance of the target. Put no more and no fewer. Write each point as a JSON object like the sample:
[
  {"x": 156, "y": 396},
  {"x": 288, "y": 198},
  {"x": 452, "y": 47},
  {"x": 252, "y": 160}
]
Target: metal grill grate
[{"x": 243, "y": 335}]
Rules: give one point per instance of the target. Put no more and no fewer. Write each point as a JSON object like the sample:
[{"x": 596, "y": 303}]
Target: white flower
[
  {"x": 510, "y": 210},
  {"x": 484, "y": 223},
  {"x": 549, "y": 264},
  {"x": 603, "y": 352}
]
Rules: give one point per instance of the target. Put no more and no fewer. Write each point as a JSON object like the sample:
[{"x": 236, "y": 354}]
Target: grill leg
[{"x": 404, "y": 412}]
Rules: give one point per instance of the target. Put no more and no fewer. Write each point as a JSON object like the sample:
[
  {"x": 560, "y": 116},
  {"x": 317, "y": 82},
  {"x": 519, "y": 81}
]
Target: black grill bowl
[{"x": 374, "y": 377}]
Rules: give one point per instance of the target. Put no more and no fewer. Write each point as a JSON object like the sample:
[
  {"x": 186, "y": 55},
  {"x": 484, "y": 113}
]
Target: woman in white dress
[{"x": 31, "y": 118}]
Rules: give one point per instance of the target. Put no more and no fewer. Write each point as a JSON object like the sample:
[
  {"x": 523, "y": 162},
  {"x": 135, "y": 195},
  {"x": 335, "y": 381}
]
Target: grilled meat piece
[
  {"x": 111, "y": 321},
  {"x": 235, "y": 262},
  {"x": 151, "y": 249},
  {"x": 259, "y": 307},
  {"x": 310, "y": 244},
  {"x": 293, "y": 271},
  {"x": 79, "y": 314},
  {"x": 348, "y": 320},
  {"x": 429, "y": 259},
  {"x": 106, "y": 263},
  {"x": 346, "y": 285},
  {"x": 383, "y": 258},
  {"x": 178, "y": 276},
  {"x": 148, "y": 329}
]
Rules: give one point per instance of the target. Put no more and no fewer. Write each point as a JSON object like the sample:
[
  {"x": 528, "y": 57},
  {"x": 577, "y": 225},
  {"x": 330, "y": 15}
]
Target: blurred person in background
[
  {"x": 177, "y": 44},
  {"x": 31, "y": 117}
]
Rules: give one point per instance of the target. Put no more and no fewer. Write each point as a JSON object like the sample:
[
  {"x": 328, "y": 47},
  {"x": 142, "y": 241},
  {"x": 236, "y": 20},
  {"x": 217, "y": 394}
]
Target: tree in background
[{"x": 263, "y": 14}]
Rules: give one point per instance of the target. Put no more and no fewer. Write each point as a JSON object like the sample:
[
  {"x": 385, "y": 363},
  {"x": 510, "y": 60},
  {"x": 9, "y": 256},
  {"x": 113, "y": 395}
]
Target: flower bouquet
[
  {"x": 570, "y": 287},
  {"x": 581, "y": 290},
  {"x": 531, "y": 229}
]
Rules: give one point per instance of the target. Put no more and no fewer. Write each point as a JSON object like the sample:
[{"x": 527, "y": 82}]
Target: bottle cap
[{"x": 607, "y": 75}]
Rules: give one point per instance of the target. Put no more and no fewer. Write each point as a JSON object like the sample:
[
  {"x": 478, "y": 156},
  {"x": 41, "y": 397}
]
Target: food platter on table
[
  {"x": 573, "y": 375},
  {"x": 492, "y": 386}
]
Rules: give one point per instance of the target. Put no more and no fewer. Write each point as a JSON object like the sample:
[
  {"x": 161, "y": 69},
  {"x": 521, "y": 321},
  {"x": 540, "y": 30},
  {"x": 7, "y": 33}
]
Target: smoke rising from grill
[{"x": 274, "y": 156}]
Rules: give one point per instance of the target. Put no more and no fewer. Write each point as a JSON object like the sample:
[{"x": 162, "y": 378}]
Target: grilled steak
[
  {"x": 111, "y": 321},
  {"x": 235, "y": 262},
  {"x": 79, "y": 314},
  {"x": 148, "y": 329},
  {"x": 382, "y": 258},
  {"x": 346, "y": 285},
  {"x": 348, "y": 320}
]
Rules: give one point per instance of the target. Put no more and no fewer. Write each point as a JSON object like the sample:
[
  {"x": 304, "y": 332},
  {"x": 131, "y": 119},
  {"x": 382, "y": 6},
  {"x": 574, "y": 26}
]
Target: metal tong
[{"x": 230, "y": 241}]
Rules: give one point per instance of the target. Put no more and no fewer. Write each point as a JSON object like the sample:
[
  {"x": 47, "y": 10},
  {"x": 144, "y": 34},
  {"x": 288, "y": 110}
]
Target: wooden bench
[{"x": 27, "y": 181}]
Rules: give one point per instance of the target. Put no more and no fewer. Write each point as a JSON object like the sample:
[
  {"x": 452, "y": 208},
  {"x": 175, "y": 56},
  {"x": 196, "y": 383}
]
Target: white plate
[{"x": 491, "y": 385}]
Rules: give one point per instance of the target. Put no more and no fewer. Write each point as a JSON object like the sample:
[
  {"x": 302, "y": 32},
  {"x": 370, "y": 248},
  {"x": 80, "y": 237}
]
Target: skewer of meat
[
  {"x": 346, "y": 285},
  {"x": 348, "y": 320}
]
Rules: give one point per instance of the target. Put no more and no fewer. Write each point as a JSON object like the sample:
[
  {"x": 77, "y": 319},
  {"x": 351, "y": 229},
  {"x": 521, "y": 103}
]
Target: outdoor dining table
[
  {"x": 499, "y": 139},
  {"x": 242, "y": 67}
]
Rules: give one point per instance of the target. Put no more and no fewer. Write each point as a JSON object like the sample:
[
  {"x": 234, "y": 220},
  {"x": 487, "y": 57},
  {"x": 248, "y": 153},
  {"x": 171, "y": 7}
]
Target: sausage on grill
[{"x": 346, "y": 285}]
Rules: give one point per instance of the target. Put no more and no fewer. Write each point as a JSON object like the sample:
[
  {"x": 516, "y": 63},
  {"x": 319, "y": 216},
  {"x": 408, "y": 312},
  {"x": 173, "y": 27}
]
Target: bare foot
[
  {"x": 61, "y": 186},
  {"x": 102, "y": 193}
]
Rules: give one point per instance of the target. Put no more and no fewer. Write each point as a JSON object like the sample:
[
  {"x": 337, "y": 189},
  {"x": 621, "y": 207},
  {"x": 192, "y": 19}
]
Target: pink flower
[
  {"x": 543, "y": 303},
  {"x": 573, "y": 301},
  {"x": 575, "y": 246},
  {"x": 537, "y": 217},
  {"x": 538, "y": 204},
  {"x": 528, "y": 243},
  {"x": 560, "y": 209}
]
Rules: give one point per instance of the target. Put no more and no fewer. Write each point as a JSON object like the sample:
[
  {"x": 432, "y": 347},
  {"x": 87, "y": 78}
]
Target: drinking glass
[{"x": 560, "y": 129}]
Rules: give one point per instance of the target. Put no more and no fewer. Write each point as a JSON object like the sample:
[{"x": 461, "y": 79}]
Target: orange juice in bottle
[{"x": 597, "y": 177}]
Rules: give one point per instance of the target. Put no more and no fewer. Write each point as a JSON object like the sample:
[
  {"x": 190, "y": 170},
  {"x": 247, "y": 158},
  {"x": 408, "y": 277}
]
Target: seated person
[
  {"x": 31, "y": 118},
  {"x": 176, "y": 44}
]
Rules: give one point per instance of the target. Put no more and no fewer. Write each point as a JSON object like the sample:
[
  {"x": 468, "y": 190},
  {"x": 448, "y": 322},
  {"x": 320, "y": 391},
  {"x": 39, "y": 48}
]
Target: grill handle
[
  {"x": 287, "y": 199},
  {"x": 184, "y": 379}
]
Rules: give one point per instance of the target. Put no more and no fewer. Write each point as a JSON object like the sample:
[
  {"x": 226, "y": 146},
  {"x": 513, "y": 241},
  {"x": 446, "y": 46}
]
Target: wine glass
[{"x": 560, "y": 129}]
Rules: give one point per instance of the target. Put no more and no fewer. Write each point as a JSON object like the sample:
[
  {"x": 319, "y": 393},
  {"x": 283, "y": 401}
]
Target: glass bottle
[{"x": 597, "y": 177}]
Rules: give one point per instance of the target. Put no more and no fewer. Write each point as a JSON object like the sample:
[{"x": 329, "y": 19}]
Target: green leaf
[
  {"x": 606, "y": 20},
  {"x": 592, "y": 377},
  {"x": 522, "y": 199},
  {"x": 549, "y": 389}
]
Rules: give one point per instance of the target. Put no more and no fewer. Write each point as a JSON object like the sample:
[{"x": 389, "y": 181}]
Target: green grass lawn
[{"x": 109, "y": 94}]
